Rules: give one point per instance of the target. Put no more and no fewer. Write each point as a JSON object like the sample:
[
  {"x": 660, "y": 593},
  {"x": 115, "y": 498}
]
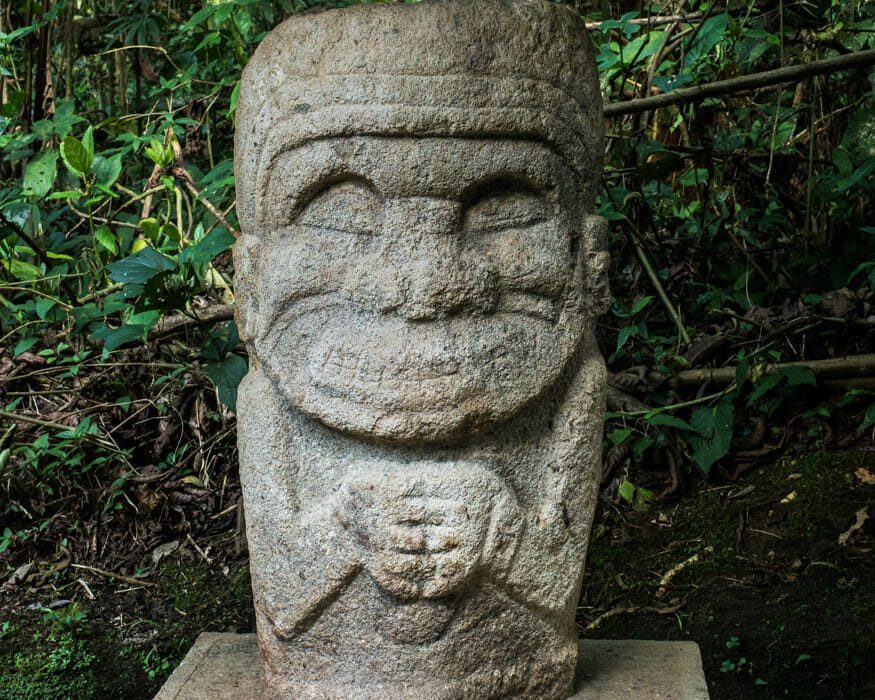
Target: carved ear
[
  {"x": 596, "y": 292},
  {"x": 247, "y": 253}
]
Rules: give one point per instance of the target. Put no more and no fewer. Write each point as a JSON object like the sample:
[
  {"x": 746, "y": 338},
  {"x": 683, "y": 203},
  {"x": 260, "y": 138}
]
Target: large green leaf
[
  {"x": 107, "y": 170},
  {"x": 75, "y": 156},
  {"x": 65, "y": 117},
  {"x": 141, "y": 267},
  {"x": 714, "y": 427},
  {"x": 763, "y": 386},
  {"x": 667, "y": 420},
  {"x": 711, "y": 34},
  {"x": 106, "y": 238},
  {"x": 115, "y": 337},
  {"x": 88, "y": 142},
  {"x": 218, "y": 241},
  {"x": 797, "y": 375},
  {"x": 40, "y": 172},
  {"x": 859, "y": 137},
  {"x": 227, "y": 375}
]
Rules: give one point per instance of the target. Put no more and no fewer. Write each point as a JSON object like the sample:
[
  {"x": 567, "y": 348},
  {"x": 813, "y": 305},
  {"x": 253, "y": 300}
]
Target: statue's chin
[{"x": 428, "y": 386}]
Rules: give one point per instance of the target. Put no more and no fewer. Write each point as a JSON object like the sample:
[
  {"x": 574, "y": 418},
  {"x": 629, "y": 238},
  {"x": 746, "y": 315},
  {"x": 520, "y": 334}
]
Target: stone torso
[{"x": 420, "y": 429}]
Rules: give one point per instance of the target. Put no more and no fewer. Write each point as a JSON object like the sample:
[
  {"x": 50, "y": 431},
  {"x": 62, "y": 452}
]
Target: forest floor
[{"x": 770, "y": 574}]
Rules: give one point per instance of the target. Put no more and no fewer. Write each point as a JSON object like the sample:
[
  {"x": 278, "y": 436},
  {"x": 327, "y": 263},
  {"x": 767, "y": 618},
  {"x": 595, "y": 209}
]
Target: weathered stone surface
[
  {"x": 225, "y": 667},
  {"x": 417, "y": 286}
]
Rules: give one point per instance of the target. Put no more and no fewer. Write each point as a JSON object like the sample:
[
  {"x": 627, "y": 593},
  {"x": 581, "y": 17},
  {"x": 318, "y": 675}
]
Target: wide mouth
[
  {"x": 387, "y": 355},
  {"x": 395, "y": 379},
  {"x": 405, "y": 354}
]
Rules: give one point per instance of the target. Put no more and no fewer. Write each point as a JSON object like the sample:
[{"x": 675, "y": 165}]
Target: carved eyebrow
[
  {"x": 317, "y": 178},
  {"x": 501, "y": 183},
  {"x": 347, "y": 205},
  {"x": 293, "y": 179},
  {"x": 320, "y": 185}
]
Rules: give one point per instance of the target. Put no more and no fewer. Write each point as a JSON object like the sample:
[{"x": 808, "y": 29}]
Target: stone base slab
[{"x": 227, "y": 667}]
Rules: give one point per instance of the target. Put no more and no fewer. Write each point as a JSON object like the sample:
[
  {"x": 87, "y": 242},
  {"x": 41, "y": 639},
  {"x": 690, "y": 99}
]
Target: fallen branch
[
  {"x": 210, "y": 314},
  {"x": 633, "y": 610},
  {"x": 720, "y": 88},
  {"x": 843, "y": 386},
  {"x": 861, "y": 516},
  {"x": 837, "y": 368}
]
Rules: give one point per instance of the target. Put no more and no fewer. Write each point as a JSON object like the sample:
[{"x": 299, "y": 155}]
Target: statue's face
[{"x": 417, "y": 289}]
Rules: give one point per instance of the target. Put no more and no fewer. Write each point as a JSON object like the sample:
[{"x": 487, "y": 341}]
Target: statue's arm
[
  {"x": 302, "y": 558},
  {"x": 557, "y": 525}
]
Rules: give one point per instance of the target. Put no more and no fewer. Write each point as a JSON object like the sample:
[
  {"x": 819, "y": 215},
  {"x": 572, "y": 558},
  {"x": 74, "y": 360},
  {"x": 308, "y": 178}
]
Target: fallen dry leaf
[
  {"x": 865, "y": 476},
  {"x": 29, "y": 358},
  {"x": 862, "y": 517}
]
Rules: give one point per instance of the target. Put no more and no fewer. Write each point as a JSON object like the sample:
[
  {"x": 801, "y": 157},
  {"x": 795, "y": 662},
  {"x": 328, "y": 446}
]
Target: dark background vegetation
[{"x": 738, "y": 488}]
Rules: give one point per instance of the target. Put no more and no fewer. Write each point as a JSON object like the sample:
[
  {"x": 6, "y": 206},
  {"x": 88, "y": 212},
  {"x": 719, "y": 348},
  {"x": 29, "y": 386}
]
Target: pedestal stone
[
  {"x": 417, "y": 285},
  {"x": 226, "y": 667}
]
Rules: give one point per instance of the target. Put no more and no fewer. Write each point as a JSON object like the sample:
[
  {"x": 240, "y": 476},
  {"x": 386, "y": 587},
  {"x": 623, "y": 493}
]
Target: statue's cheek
[{"x": 535, "y": 259}]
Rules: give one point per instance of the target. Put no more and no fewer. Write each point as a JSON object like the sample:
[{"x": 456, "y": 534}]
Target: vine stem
[
  {"x": 683, "y": 404},
  {"x": 660, "y": 290}
]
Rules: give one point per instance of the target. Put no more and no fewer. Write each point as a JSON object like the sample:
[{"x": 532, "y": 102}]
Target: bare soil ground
[{"x": 771, "y": 575}]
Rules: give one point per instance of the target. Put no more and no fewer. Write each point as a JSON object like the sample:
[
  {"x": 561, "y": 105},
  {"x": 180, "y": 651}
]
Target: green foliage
[
  {"x": 78, "y": 155},
  {"x": 634, "y": 495},
  {"x": 735, "y": 206},
  {"x": 117, "y": 214},
  {"x": 40, "y": 173},
  {"x": 713, "y": 433},
  {"x": 65, "y": 618},
  {"x": 155, "y": 665},
  {"x": 55, "y": 663}
]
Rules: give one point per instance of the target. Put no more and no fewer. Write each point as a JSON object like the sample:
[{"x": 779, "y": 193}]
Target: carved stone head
[{"x": 416, "y": 185}]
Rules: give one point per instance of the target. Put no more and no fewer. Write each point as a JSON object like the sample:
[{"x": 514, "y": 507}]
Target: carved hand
[{"x": 421, "y": 534}]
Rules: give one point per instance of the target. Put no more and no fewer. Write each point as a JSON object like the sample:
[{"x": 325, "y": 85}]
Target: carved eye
[
  {"x": 347, "y": 207},
  {"x": 505, "y": 206}
]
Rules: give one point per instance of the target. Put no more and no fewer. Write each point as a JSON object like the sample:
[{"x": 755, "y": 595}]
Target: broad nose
[{"x": 433, "y": 275}]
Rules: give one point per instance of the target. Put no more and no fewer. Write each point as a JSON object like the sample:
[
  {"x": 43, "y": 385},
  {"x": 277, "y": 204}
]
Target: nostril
[
  {"x": 440, "y": 292},
  {"x": 376, "y": 287}
]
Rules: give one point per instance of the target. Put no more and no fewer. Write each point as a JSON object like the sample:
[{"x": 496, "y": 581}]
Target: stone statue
[{"x": 418, "y": 283}]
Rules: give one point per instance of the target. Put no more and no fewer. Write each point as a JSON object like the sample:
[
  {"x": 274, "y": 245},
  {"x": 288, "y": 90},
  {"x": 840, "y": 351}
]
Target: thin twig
[
  {"x": 110, "y": 574},
  {"x": 187, "y": 180},
  {"x": 100, "y": 219},
  {"x": 683, "y": 404},
  {"x": 106, "y": 291},
  {"x": 21, "y": 233},
  {"x": 66, "y": 428},
  {"x": 199, "y": 550}
]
